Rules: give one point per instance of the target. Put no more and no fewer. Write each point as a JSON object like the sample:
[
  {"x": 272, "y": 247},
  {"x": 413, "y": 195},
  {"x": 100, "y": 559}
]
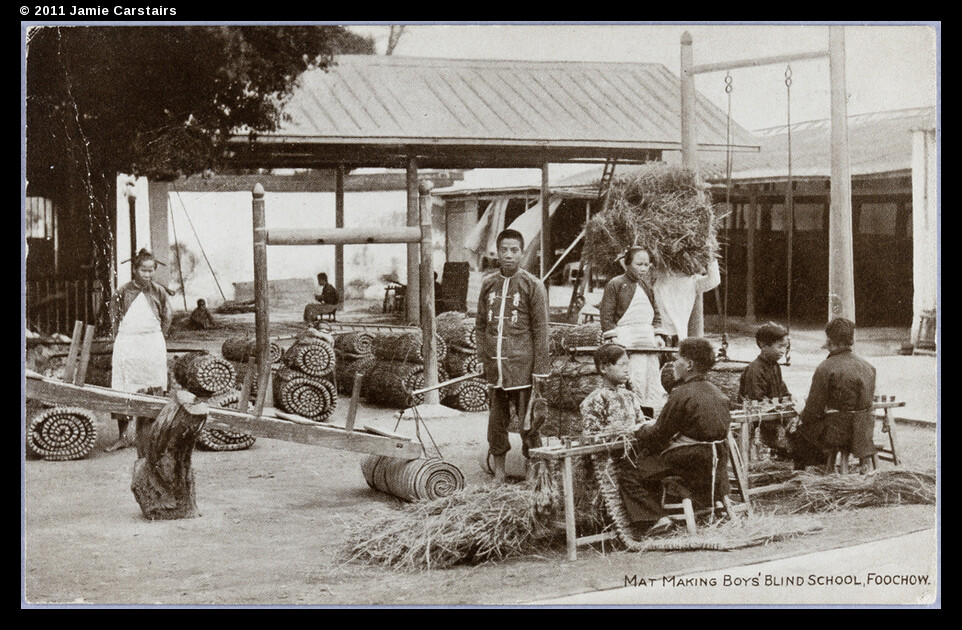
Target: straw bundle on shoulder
[
  {"x": 204, "y": 374},
  {"x": 475, "y": 525},
  {"x": 663, "y": 208},
  {"x": 354, "y": 344}
]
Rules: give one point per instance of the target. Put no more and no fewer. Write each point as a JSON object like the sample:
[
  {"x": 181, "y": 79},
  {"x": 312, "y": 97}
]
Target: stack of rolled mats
[
  {"x": 203, "y": 374},
  {"x": 354, "y": 354},
  {"x": 239, "y": 350},
  {"x": 572, "y": 377},
  {"x": 458, "y": 332},
  {"x": 304, "y": 386},
  {"x": 398, "y": 369},
  {"x": 61, "y": 433},
  {"x": 211, "y": 439}
]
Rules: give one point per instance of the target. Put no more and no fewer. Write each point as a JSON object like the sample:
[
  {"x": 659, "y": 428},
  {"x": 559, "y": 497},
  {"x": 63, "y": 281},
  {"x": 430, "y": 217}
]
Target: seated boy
[
  {"x": 843, "y": 383},
  {"x": 200, "y": 318},
  {"x": 763, "y": 379},
  {"x": 615, "y": 410}
]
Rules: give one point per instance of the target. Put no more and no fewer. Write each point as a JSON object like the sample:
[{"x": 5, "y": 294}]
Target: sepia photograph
[{"x": 489, "y": 314}]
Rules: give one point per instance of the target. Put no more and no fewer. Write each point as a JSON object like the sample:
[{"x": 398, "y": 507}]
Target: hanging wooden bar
[{"x": 343, "y": 236}]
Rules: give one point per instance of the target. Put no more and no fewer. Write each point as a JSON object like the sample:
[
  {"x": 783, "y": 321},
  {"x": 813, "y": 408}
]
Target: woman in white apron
[
  {"x": 630, "y": 317},
  {"x": 139, "y": 362}
]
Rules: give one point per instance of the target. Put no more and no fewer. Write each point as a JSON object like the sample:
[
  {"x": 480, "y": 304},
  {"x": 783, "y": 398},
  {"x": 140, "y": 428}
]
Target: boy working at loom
[
  {"x": 762, "y": 379},
  {"x": 512, "y": 333},
  {"x": 844, "y": 383}
]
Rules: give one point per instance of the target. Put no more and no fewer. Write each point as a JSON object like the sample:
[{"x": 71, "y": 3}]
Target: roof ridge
[{"x": 400, "y": 60}]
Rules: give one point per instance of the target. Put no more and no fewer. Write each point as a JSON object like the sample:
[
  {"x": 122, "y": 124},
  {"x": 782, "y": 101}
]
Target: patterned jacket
[
  {"x": 608, "y": 409},
  {"x": 512, "y": 329}
]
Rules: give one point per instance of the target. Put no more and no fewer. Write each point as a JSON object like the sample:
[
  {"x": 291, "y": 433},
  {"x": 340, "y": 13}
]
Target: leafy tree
[{"x": 158, "y": 101}]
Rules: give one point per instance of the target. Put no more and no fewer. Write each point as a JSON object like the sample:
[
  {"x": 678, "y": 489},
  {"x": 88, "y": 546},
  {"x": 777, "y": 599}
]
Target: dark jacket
[
  {"x": 512, "y": 329},
  {"x": 844, "y": 381},
  {"x": 619, "y": 292},
  {"x": 328, "y": 295},
  {"x": 762, "y": 379},
  {"x": 157, "y": 297},
  {"x": 696, "y": 409}
]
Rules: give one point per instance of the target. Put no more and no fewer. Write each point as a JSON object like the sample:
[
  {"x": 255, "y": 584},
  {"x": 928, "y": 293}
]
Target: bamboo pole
[
  {"x": 546, "y": 251},
  {"x": 344, "y": 236},
  {"x": 413, "y": 218},
  {"x": 429, "y": 341},
  {"x": 841, "y": 280},
  {"x": 262, "y": 347},
  {"x": 339, "y": 223}
]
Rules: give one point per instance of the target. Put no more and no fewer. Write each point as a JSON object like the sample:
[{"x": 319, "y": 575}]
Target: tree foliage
[{"x": 159, "y": 100}]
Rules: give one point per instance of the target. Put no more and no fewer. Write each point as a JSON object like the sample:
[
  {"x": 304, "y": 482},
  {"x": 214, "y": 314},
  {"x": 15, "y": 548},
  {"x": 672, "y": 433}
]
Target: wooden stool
[{"x": 683, "y": 511}]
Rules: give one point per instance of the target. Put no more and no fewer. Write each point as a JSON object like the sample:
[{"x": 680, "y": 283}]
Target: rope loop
[{"x": 728, "y": 83}]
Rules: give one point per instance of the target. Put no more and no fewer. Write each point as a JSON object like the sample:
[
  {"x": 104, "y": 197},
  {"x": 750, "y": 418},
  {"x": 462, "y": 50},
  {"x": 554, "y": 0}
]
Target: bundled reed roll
[
  {"x": 390, "y": 383},
  {"x": 203, "y": 374},
  {"x": 354, "y": 344},
  {"x": 210, "y": 439},
  {"x": 564, "y": 336},
  {"x": 297, "y": 393},
  {"x": 470, "y": 395},
  {"x": 726, "y": 376},
  {"x": 424, "y": 479},
  {"x": 664, "y": 208},
  {"x": 243, "y": 348},
  {"x": 405, "y": 346},
  {"x": 457, "y": 330},
  {"x": 458, "y": 363},
  {"x": 312, "y": 357},
  {"x": 570, "y": 383},
  {"x": 346, "y": 369},
  {"x": 62, "y": 433}
]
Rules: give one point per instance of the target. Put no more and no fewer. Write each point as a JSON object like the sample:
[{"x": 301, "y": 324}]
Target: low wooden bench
[{"x": 738, "y": 445}]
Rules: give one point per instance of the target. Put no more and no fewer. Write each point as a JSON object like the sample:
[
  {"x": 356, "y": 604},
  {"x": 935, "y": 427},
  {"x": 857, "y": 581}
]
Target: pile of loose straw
[
  {"x": 817, "y": 492},
  {"x": 663, "y": 208},
  {"x": 472, "y": 526}
]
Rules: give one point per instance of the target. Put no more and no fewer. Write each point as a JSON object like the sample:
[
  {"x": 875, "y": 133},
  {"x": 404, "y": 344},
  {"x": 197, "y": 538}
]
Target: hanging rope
[
  {"x": 723, "y": 350},
  {"x": 201, "y": 245},
  {"x": 790, "y": 207},
  {"x": 180, "y": 272}
]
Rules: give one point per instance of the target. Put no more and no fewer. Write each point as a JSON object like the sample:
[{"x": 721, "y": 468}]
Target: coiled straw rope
[{"x": 62, "y": 433}]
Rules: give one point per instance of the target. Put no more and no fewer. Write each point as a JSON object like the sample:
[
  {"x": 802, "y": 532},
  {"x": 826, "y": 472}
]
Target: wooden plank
[
  {"x": 70, "y": 367},
  {"x": 316, "y": 434},
  {"x": 344, "y": 236},
  {"x": 571, "y": 535},
  {"x": 84, "y": 360},
  {"x": 595, "y": 538},
  {"x": 245, "y": 395},
  {"x": 352, "y": 408}
]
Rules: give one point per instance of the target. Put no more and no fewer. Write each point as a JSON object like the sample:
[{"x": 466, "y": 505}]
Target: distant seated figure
[
  {"x": 200, "y": 318},
  {"x": 326, "y": 293}
]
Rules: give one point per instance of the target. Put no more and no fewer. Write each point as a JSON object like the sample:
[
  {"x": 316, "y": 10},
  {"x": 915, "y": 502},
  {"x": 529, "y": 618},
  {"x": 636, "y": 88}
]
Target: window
[
  {"x": 877, "y": 218},
  {"x": 40, "y": 218}
]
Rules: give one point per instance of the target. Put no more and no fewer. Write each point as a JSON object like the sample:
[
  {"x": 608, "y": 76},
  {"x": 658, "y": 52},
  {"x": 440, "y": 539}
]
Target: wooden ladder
[{"x": 584, "y": 268}]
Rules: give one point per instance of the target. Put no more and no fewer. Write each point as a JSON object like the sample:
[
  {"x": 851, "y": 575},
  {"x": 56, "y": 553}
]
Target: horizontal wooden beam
[
  {"x": 96, "y": 398},
  {"x": 758, "y": 61},
  {"x": 343, "y": 236}
]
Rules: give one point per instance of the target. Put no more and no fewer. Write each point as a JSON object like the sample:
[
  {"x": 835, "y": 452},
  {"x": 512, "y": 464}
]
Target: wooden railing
[{"x": 54, "y": 304}]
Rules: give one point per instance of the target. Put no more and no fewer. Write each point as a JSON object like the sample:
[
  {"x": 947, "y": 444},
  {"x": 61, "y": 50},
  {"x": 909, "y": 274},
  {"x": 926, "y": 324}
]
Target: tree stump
[{"x": 163, "y": 481}]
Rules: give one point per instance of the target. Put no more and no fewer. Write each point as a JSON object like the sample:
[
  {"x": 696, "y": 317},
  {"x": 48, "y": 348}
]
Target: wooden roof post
[
  {"x": 546, "y": 251},
  {"x": 841, "y": 274},
  {"x": 339, "y": 223},
  {"x": 751, "y": 218},
  {"x": 429, "y": 345},
  {"x": 689, "y": 159},
  {"x": 262, "y": 347},
  {"x": 413, "y": 219}
]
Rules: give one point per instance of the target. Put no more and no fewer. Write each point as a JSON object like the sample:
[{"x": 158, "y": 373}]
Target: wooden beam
[
  {"x": 751, "y": 221},
  {"x": 841, "y": 274},
  {"x": 429, "y": 342},
  {"x": 339, "y": 223},
  {"x": 413, "y": 219},
  {"x": 689, "y": 159},
  {"x": 546, "y": 250},
  {"x": 262, "y": 349},
  {"x": 758, "y": 61},
  {"x": 344, "y": 236},
  {"x": 158, "y": 210},
  {"x": 104, "y": 399}
]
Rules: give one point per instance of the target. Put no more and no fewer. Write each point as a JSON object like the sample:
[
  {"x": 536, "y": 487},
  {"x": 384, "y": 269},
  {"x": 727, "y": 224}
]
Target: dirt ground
[{"x": 274, "y": 519}]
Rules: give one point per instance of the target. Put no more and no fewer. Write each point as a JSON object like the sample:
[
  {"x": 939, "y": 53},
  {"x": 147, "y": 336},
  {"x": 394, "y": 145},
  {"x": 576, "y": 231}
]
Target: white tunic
[
  {"x": 140, "y": 352},
  {"x": 675, "y": 295},
  {"x": 635, "y": 329}
]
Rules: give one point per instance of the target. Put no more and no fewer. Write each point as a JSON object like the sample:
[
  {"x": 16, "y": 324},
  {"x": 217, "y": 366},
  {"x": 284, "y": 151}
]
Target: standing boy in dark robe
[{"x": 512, "y": 333}]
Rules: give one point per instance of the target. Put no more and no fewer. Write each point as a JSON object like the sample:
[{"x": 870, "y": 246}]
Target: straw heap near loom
[
  {"x": 62, "y": 433},
  {"x": 241, "y": 349},
  {"x": 210, "y": 439},
  {"x": 203, "y": 374}
]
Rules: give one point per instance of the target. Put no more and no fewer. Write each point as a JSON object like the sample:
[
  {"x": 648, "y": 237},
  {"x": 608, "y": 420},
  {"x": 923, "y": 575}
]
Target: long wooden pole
[
  {"x": 841, "y": 275},
  {"x": 758, "y": 61},
  {"x": 689, "y": 159},
  {"x": 262, "y": 348},
  {"x": 412, "y": 293},
  {"x": 751, "y": 219},
  {"x": 339, "y": 223},
  {"x": 429, "y": 343},
  {"x": 546, "y": 250}
]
